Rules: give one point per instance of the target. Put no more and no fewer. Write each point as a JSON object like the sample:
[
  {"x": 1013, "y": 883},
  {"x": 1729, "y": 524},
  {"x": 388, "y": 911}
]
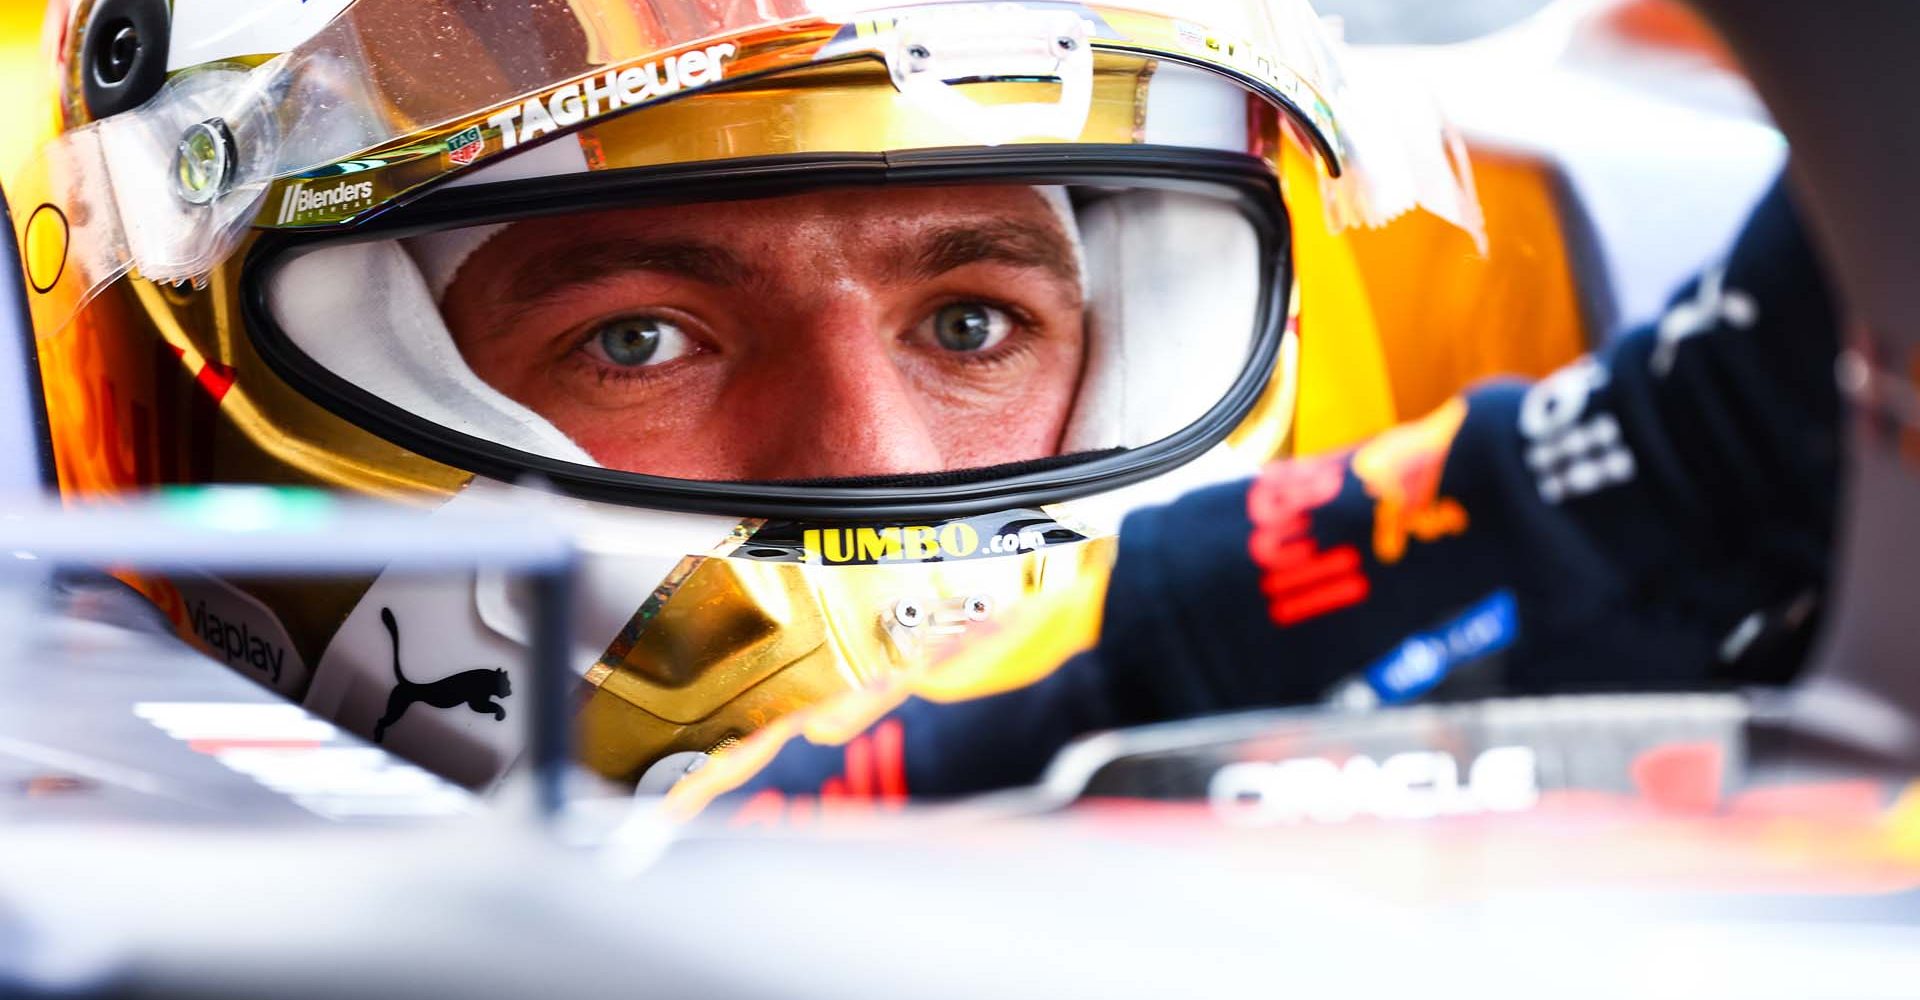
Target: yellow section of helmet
[
  {"x": 24, "y": 79},
  {"x": 1344, "y": 391}
]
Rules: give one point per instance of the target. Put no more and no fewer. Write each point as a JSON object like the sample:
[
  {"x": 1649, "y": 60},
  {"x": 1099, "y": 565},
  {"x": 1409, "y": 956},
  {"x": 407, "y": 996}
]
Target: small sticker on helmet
[{"x": 465, "y": 146}]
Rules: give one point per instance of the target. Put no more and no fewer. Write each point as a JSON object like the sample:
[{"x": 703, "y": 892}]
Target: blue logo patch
[{"x": 1424, "y": 659}]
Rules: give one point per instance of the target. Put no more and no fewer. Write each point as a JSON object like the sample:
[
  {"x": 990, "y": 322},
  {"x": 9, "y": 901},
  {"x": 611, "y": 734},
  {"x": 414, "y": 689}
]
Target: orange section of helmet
[
  {"x": 1396, "y": 320},
  {"x": 1450, "y": 316}
]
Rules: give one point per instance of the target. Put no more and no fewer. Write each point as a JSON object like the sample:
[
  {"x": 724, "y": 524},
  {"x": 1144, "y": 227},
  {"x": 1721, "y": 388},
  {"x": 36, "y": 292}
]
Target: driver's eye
[
  {"x": 635, "y": 341},
  {"x": 969, "y": 326}
]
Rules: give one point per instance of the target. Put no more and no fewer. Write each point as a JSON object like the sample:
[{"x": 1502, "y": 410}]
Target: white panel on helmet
[{"x": 207, "y": 31}]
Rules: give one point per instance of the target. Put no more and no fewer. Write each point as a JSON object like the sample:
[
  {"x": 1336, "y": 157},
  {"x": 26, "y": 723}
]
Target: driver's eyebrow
[
  {"x": 547, "y": 275},
  {"x": 1005, "y": 241}
]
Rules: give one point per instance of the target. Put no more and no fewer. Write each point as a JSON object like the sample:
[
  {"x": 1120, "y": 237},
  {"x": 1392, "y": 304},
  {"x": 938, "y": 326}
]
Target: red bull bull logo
[{"x": 1302, "y": 580}]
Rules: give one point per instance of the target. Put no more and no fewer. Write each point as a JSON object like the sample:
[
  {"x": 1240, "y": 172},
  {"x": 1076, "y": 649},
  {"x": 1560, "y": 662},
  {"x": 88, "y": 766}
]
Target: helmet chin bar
[{"x": 1246, "y": 181}]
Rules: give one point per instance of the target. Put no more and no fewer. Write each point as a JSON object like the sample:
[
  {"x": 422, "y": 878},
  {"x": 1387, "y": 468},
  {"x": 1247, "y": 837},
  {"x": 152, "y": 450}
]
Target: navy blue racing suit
[{"x": 1657, "y": 517}]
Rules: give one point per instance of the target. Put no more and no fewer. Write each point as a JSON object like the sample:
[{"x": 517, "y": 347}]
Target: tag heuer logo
[{"x": 465, "y": 147}]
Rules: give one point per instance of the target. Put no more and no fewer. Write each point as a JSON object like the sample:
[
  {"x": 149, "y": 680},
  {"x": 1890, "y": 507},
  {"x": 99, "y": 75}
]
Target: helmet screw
[
  {"x": 908, "y": 613},
  {"x": 979, "y": 607},
  {"x": 115, "y": 60},
  {"x": 1065, "y": 44},
  {"x": 204, "y": 163},
  {"x": 919, "y": 52}
]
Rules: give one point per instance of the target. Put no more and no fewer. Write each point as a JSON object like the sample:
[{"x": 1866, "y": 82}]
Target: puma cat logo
[{"x": 476, "y": 688}]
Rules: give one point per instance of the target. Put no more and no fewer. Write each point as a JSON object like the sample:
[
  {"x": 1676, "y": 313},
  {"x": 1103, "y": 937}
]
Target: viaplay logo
[{"x": 303, "y": 200}]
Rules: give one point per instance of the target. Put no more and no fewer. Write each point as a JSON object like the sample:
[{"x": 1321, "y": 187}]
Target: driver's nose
[{"x": 835, "y": 404}]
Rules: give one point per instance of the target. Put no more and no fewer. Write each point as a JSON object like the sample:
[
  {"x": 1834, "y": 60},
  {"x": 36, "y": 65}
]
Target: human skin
[{"x": 823, "y": 335}]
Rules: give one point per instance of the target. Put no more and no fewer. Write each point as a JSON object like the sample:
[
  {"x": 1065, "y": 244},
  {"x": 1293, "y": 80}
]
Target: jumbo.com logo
[
  {"x": 1004, "y": 534},
  {"x": 913, "y": 543}
]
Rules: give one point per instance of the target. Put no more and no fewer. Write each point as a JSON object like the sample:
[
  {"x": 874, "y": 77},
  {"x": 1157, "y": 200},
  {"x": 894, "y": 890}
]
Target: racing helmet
[{"x": 834, "y": 332}]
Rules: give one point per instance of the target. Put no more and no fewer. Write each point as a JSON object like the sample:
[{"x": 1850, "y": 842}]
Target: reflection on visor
[{"x": 830, "y": 334}]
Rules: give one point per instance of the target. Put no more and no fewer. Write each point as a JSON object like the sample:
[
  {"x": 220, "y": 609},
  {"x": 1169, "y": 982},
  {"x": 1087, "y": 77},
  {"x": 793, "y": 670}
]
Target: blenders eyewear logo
[
  {"x": 576, "y": 102},
  {"x": 304, "y": 200}
]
